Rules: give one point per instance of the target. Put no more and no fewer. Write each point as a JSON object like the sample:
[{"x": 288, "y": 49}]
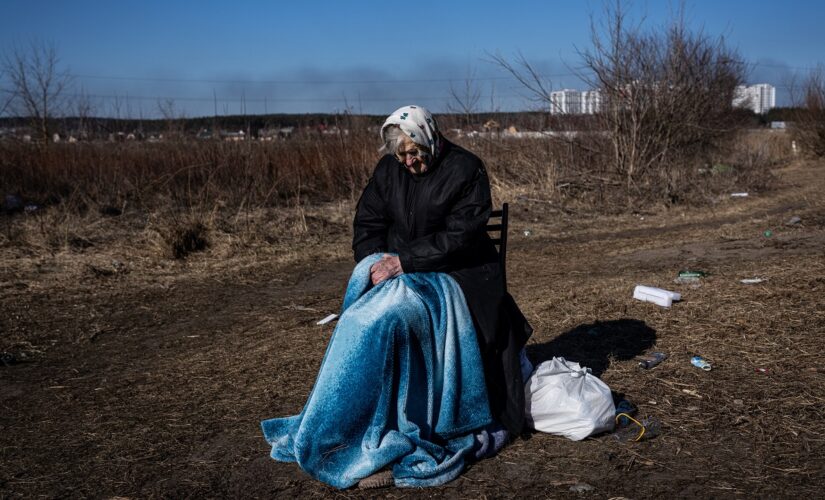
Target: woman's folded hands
[{"x": 388, "y": 267}]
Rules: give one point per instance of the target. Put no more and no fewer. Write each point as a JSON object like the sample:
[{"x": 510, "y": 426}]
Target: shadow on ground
[{"x": 594, "y": 345}]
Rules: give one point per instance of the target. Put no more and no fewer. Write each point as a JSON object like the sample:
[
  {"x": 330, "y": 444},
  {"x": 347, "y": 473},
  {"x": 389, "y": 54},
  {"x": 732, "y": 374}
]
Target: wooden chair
[{"x": 498, "y": 230}]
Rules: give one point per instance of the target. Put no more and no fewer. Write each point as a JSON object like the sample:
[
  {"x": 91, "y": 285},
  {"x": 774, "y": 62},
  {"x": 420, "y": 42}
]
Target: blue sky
[{"x": 324, "y": 56}]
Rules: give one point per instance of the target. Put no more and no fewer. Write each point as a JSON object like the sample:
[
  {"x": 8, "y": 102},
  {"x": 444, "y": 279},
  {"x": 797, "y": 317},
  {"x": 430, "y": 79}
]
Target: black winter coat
[{"x": 436, "y": 221}]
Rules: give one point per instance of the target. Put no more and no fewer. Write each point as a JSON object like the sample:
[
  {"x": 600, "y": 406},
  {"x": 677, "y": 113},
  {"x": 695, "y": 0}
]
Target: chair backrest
[{"x": 497, "y": 226}]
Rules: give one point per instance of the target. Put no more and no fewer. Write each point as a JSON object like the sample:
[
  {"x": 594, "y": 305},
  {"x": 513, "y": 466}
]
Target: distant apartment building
[
  {"x": 758, "y": 98},
  {"x": 574, "y": 102},
  {"x": 566, "y": 102},
  {"x": 591, "y": 102}
]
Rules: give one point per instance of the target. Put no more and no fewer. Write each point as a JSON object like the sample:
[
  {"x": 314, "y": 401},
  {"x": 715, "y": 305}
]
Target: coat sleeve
[
  {"x": 371, "y": 223},
  {"x": 464, "y": 225}
]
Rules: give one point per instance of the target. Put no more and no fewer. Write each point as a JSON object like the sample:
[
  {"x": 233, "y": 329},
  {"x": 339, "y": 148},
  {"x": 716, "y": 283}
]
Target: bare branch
[
  {"x": 465, "y": 100},
  {"x": 528, "y": 77},
  {"x": 37, "y": 83}
]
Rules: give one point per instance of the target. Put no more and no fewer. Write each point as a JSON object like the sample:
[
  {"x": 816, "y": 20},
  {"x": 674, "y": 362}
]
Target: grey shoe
[{"x": 381, "y": 479}]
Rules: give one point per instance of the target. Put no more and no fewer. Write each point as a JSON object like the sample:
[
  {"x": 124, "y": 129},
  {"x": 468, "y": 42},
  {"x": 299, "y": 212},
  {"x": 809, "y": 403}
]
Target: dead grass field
[{"x": 144, "y": 376}]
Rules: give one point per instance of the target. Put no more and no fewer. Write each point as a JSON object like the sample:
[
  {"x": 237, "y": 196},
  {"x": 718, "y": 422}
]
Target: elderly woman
[{"x": 422, "y": 373}]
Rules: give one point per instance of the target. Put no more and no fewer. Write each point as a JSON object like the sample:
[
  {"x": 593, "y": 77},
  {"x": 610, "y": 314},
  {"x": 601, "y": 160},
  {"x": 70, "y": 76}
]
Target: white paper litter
[
  {"x": 739, "y": 195},
  {"x": 751, "y": 281},
  {"x": 658, "y": 296},
  {"x": 327, "y": 319}
]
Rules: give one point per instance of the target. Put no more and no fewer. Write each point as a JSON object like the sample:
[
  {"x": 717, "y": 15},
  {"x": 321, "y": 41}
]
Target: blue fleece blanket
[{"x": 401, "y": 384}]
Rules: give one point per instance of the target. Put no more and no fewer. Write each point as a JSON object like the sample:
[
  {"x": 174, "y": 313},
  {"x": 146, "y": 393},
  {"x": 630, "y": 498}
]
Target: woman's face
[{"x": 412, "y": 157}]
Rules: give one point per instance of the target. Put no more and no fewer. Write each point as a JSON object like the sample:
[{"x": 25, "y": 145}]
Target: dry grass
[
  {"x": 111, "y": 178},
  {"x": 164, "y": 366}
]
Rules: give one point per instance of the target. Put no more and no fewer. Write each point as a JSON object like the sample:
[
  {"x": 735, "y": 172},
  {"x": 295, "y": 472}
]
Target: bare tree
[
  {"x": 84, "y": 109},
  {"x": 666, "y": 93},
  {"x": 6, "y": 95},
  {"x": 173, "y": 117},
  {"x": 663, "y": 100},
  {"x": 38, "y": 84},
  {"x": 465, "y": 99}
]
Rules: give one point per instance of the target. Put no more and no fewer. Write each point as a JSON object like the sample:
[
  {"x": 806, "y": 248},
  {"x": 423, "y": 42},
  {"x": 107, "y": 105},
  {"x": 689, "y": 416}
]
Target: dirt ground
[{"x": 138, "y": 376}]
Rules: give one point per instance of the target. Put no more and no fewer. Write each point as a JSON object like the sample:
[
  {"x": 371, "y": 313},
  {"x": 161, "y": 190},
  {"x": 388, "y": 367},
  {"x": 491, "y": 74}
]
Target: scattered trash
[
  {"x": 651, "y": 360},
  {"x": 581, "y": 488},
  {"x": 30, "y": 209},
  {"x": 624, "y": 410},
  {"x": 690, "y": 276},
  {"x": 658, "y": 296},
  {"x": 700, "y": 362},
  {"x": 739, "y": 195},
  {"x": 527, "y": 232},
  {"x": 793, "y": 220},
  {"x": 767, "y": 233},
  {"x": 327, "y": 319},
  {"x": 637, "y": 430},
  {"x": 761, "y": 370},
  {"x": 751, "y": 281}
]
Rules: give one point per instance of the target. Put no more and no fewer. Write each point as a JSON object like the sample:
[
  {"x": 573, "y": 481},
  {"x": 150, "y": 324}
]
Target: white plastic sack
[{"x": 565, "y": 399}]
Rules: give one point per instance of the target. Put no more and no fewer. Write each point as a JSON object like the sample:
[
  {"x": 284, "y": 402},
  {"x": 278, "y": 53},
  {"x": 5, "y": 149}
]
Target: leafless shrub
[
  {"x": 666, "y": 99},
  {"x": 744, "y": 163},
  {"x": 808, "y": 127},
  {"x": 186, "y": 239},
  {"x": 666, "y": 103}
]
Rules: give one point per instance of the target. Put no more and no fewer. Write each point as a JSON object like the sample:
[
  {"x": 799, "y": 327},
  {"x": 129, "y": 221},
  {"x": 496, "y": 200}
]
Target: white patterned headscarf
[{"x": 419, "y": 124}]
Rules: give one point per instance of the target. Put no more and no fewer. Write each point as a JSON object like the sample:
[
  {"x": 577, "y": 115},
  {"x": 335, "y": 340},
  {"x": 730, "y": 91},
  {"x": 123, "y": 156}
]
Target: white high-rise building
[
  {"x": 591, "y": 102},
  {"x": 573, "y": 102},
  {"x": 758, "y": 98},
  {"x": 566, "y": 102}
]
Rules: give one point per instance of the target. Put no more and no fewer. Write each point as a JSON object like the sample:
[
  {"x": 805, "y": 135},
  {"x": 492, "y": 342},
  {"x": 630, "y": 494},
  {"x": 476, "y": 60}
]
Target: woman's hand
[{"x": 388, "y": 267}]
